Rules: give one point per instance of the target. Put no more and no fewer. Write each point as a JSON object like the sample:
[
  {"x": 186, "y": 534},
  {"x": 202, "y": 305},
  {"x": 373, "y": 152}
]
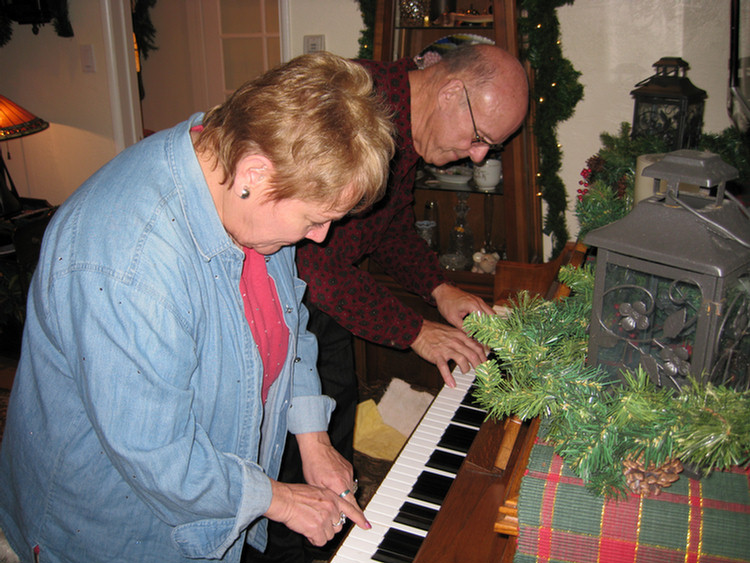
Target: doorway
[{"x": 206, "y": 49}]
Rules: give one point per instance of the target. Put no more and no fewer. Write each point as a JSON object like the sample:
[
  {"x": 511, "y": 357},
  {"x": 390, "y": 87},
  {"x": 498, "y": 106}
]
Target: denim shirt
[{"x": 136, "y": 430}]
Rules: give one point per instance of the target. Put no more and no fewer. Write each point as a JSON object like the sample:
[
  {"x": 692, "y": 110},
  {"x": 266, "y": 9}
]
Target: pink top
[{"x": 263, "y": 312}]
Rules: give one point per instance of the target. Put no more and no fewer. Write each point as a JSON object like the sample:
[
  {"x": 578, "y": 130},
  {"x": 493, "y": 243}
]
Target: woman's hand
[
  {"x": 314, "y": 512},
  {"x": 322, "y": 465}
]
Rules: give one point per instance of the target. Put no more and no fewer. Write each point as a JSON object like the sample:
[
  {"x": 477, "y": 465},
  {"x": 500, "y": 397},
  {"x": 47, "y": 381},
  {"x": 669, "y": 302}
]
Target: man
[{"x": 473, "y": 98}]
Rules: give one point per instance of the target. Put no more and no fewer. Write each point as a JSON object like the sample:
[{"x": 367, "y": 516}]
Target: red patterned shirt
[{"x": 385, "y": 234}]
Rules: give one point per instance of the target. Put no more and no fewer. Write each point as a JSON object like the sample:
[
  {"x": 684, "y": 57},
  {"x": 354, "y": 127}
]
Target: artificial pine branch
[
  {"x": 538, "y": 369},
  {"x": 600, "y": 205}
]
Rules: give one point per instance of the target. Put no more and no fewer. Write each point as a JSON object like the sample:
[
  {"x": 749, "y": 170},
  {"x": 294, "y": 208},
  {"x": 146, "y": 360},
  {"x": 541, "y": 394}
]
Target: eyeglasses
[{"x": 477, "y": 138}]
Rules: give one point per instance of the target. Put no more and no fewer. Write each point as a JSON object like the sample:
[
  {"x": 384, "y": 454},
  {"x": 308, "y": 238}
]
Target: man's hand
[
  {"x": 439, "y": 344},
  {"x": 454, "y": 304}
]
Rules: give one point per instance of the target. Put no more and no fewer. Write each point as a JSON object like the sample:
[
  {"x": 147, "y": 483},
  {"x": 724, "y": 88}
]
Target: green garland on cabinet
[
  {"x": 556, "y": 91},
  {"x": 367, "y": 35}
]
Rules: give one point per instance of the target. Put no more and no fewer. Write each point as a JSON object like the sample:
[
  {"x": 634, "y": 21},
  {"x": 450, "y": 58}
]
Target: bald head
[
  {"x": 493, "y": 72},
  {"x": 488, "y": 78}
]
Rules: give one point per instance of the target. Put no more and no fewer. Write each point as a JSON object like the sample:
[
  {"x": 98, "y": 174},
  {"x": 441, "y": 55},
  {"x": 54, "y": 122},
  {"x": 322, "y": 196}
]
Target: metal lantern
[
  {"x": 672, "y": 280},
  {"x": 669, "y": 106}
]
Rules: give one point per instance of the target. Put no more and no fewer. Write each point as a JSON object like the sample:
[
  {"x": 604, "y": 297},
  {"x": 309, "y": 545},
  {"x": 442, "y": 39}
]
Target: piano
[{"x": 451, "y": 495}]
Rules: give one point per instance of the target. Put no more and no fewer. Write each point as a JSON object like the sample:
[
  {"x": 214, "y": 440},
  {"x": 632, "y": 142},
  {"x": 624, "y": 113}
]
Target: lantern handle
[{"x": 714, "y": 226}]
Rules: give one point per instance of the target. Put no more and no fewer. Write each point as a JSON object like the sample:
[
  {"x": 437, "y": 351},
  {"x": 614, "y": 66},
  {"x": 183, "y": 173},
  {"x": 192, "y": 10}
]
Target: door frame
[
  {"x": 207, "y": 79},
  {"x": 117, "y": 29}
]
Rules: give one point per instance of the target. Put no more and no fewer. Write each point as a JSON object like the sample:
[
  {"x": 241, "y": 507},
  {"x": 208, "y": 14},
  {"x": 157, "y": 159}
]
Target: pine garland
[
  {"x": 556, "y": 92},
  {"x": 607, "y": 187},
  {"x": 367, "y": 35},
  {"x": 597, "y": 426}
]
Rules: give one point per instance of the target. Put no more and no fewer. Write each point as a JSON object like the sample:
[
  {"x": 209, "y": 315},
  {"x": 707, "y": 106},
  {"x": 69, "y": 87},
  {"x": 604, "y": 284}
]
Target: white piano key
[{"x": 360, "y": 545}]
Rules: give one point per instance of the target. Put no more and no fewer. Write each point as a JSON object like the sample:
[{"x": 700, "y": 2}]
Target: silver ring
[
  {"x": 353, "y": 490},
  {"x": 341, "y": 521}
]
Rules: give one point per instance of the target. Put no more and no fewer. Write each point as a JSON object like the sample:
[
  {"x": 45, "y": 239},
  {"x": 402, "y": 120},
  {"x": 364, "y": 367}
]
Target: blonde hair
[{"x": 317, "y": 119}]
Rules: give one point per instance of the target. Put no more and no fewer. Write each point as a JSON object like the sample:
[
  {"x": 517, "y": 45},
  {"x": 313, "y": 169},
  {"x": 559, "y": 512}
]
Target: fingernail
[{"x": 368, "y": 526}]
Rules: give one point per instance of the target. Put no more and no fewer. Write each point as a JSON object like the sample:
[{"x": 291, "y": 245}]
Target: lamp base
[{"x": 10, "y": 203}]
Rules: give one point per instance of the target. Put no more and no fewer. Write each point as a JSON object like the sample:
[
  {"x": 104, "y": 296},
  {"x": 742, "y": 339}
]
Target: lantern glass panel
[
  {"x": 672, "y": 284},
  {"x": 650, "y": 320},
  {"x": 660, "y": 118},
  {"x": 732, "y": 364}
]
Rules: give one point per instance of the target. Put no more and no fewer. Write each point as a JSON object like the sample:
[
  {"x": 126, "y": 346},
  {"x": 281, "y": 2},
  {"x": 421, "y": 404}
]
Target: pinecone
[
  {"x": 648, "y": 482},
  {"x": 595, "y": 163}
]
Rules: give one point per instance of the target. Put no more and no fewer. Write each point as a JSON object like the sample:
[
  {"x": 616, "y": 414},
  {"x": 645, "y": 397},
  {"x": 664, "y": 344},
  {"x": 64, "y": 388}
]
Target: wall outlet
[
  {"x": 313, "y": 43},
  {"x": 88, "y": 62}
]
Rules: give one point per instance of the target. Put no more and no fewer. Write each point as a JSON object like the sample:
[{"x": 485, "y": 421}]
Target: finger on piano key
[{"x": 385, "y": 508}]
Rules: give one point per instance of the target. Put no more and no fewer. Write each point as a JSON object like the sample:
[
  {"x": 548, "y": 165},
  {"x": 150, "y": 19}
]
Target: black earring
[{"x": 245, "y": 193}]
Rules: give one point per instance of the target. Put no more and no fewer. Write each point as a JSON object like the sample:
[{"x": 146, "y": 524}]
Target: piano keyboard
[{"x": 409, "y": 497}]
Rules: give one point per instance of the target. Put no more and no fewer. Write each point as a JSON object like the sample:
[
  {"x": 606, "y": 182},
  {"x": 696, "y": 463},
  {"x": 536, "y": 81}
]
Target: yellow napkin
[{"x": 372, "y": 436}]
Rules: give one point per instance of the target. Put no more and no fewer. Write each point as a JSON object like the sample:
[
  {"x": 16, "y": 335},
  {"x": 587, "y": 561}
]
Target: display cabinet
[
  {"x": 520, "y": 231},
  {"x": 519, "y": 226},
  {"x": 509, "y": 216}
]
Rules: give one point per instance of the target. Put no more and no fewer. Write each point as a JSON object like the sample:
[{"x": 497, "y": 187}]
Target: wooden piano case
[{"x": 478, "y": 520}]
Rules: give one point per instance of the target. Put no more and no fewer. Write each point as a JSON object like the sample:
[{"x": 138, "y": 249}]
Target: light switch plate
[
  {"x": 313, "y": 43},
  {"x": 88, "y": 62}
]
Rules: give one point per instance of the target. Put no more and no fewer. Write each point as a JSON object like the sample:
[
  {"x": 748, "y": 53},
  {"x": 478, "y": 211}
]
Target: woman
[{"x": 165, "y": 353}]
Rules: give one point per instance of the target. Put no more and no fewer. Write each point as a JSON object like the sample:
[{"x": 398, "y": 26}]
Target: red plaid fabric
[{"x": 693, "y": 521}]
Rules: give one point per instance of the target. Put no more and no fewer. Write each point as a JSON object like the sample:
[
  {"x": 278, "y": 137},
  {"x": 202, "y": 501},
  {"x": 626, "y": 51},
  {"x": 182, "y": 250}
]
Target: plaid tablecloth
[{"x": 693, "y": 521}]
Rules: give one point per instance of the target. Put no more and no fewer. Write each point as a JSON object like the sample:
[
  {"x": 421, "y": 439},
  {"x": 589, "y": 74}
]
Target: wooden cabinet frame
[{"x": 521, "y": 198}]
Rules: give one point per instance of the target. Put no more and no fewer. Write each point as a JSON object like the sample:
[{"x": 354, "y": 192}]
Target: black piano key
[
  {"x": 469, "y": 417},
  {"x": 416, "y": 516},
  {"x": 445, "y": 461},
  {"x": 469, "y": 399},
  {"x": 431, "y": 487},
  {"x": 398, "y": 546},
  {"x": 457, "y": 438}
]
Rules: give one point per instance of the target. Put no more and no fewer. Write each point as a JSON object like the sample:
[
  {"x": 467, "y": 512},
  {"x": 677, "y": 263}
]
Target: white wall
[
  {"x": 43, "y": 73},
  {"x": 339, "y": 20},
  {"x": 168, "y": 71},
  {"x": 614, "y": 45}
]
